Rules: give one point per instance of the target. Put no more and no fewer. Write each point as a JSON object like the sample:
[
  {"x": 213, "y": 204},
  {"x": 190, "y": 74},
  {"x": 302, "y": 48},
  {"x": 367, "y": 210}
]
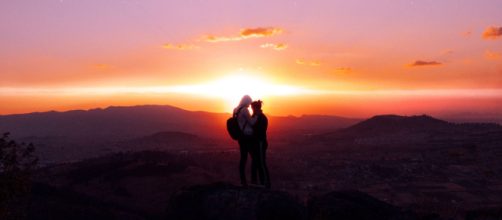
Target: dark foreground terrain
[
  {"x": 142, "y": 185},
  {"x": 386, "y": 167}
]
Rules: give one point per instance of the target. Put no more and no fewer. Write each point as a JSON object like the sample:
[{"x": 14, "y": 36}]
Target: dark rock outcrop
[{"x": 221, "y": 201}]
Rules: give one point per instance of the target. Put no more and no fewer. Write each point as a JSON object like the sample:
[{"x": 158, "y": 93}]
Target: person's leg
[
  {"x": 263, "y": 160},
  {"x": 254, "y": 163},
  {"x": 242, "y": 165},
  {"x": 260, "y": 163}
]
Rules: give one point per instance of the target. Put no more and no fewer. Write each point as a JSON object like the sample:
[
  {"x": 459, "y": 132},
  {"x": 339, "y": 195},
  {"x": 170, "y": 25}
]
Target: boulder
[{"x": 222, "y": 201}]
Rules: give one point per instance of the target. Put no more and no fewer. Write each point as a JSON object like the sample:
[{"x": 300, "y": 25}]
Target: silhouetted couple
[{"x": 253, "y": 141}]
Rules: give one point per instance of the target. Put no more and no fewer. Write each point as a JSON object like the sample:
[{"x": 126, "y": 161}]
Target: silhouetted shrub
[{"x": 16, "y": 163}]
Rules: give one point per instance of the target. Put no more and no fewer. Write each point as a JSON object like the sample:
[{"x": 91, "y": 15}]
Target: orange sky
[{"x": 350, "y": 58}]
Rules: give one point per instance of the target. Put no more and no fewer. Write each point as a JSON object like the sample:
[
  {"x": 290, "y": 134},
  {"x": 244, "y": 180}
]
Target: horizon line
[{"x": 295, "y": 116}]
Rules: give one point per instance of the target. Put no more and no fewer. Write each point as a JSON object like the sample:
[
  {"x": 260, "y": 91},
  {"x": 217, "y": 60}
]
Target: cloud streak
[
  {"x": 279, "y": 46},
  {"x": 260, "y": 32},
  {"x": 180, "y": 46},
  {"x": 420, "y": 63},
  {"x": 279, "y": 90},
  {"x": 246, "y": 33},
  {"x": 307, "y": 62},
  {"x": 492, "y": 33},
  {"x": 343, "y": 70}
]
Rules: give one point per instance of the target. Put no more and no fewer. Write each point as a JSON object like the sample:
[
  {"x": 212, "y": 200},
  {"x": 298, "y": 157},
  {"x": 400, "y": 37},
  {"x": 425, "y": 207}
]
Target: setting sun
[{"x": 232, "y": 87}]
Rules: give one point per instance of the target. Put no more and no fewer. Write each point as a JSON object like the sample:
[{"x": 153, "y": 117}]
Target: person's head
[
  {"x": 245, "y": 101},
  {"x": 256, "y": 105}
]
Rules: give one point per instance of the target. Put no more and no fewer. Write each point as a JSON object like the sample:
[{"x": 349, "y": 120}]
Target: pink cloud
[
  {"x": 419, "y": 63},
  {"x": 246, "y": 33},
  {"x": 492, "y": 33}
]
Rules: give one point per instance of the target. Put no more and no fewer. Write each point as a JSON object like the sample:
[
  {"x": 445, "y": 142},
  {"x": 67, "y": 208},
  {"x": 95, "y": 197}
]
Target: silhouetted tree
[{"x": 16, "y": 163}]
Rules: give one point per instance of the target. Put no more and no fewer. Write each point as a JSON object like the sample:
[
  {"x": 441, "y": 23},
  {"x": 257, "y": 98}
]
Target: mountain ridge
[
  {"x": 415, "y": 130},
  {"x": 132, "y": 120}
]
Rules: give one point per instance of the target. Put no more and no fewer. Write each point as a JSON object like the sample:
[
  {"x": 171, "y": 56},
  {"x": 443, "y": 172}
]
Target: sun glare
[{"x": 231, "y": 88}]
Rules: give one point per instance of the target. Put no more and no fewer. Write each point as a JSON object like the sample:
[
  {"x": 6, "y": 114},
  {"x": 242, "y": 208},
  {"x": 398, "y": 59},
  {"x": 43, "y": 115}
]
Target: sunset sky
[{"x": 351, "y": 58}]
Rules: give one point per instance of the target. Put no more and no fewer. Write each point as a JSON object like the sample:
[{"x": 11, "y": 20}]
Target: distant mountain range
[
  {"x": 402, "y": 131},
  {"x": 137, "y": 121},
  {"x": 112, "y": 122},
  {"x": 78, "y": 134}
]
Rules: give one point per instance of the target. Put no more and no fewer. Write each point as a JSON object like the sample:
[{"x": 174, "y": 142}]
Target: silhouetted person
[
  {"x": 246, "y": 142},
  {"x": 259, "y": 164}
]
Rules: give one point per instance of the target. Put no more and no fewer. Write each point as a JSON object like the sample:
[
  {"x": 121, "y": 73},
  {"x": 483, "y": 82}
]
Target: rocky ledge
[{"x": 224, "y": 201}]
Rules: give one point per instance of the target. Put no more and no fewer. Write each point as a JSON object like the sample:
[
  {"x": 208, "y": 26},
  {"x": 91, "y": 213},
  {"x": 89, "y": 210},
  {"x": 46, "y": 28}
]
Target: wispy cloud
[
  {"x": 279, "y": 46},
  {"x": 492, "y": 33},
  {"x": 420, "y": 63},
  {"x": 245, "y": 33},
  {"x": 215, "y": 39},
  {"x": 492, "y": 55},
  {"x": 343, "y": 70},
  {"x": 308, "y": 62},
  {"x": 180, "y": 46}
]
